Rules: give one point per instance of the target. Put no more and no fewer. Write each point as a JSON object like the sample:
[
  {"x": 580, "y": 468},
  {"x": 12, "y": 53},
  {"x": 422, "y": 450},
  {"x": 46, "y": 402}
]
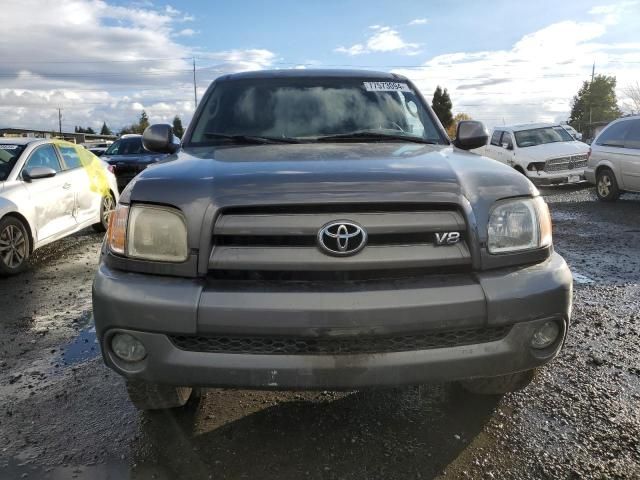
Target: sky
[{"x": 502, "y": 62}]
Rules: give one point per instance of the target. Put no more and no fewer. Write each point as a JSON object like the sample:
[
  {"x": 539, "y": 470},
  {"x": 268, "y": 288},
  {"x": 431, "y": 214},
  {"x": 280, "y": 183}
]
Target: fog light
[
  {"x": 545, "y": 335},
  {"x": 127, "y": 347}
]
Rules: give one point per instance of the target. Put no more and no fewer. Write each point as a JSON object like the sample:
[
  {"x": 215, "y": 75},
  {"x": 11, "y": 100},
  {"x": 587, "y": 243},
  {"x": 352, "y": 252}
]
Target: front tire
[
  {"x": 499, "y": 385},
  {"x": 14, "y": 246},
  {"x": 155, "y": 396},
  {"x": 107, "y": 205},
  {"x": 607, "y": 185}
]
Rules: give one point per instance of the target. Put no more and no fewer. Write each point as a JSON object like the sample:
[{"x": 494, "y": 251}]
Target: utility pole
[
  {"x": 60, "y": 121},
  {"x": 593, "y": 73},
  {"x": 195, "y": 94}
]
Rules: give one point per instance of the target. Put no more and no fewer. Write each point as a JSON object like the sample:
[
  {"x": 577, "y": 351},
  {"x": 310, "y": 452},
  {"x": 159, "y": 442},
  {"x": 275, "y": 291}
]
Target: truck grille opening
[
  {"x": 251, "y": 242},
  {"x": 566, "y": 163},
  {"x": 347, "y": 345}
]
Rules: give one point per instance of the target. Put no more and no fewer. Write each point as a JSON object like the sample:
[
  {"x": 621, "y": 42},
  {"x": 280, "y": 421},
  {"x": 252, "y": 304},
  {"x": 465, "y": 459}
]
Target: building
[{"x": 69, "y": 136}]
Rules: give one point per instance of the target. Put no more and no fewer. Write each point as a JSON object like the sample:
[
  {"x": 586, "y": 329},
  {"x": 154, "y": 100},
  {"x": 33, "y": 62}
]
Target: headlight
[
  {"x": 521, "y": 224},
  {"x": 148, "y": 232}
]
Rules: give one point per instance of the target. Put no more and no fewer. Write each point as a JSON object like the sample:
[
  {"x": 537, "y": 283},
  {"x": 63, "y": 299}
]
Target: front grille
[
  {"x": 251, "y": 241},
  {"x": 566, "y": 163},
  {"x": 341, "y": 345}
]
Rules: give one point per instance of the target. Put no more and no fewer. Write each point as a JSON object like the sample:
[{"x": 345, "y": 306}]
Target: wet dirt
[{"x": 63, "y": 414}]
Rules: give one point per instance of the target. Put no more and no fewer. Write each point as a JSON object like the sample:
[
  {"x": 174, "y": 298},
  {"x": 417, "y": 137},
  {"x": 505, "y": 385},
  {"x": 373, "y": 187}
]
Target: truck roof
[
  {"x": 310, "y": 73},
  {"x": 526, "y": 126}
]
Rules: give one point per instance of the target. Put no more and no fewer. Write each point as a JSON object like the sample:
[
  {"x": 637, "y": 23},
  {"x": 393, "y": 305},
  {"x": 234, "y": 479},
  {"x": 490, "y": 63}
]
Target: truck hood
[
  {"x": 195, "y": 179},
  {"x": 554, "y": 150}
]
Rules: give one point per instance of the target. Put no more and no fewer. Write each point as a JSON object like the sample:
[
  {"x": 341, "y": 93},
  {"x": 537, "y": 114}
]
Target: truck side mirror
[
  {"x": 159, "y": 138},
  {"x": 471, "y": 134}
]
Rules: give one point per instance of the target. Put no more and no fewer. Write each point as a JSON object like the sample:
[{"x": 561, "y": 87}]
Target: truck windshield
[
  {"x": 9, "y": 155},
  {"x": 304, "y": 109},
  {"x": 540, "y": 136}
]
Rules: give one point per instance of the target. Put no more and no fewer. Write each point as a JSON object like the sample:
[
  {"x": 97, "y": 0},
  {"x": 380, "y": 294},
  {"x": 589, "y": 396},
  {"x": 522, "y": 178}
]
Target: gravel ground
[{"x": 64, "y": 415}]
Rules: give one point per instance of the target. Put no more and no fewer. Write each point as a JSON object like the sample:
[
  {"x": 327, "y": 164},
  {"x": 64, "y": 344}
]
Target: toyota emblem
[{"x": 342, "y": 238}]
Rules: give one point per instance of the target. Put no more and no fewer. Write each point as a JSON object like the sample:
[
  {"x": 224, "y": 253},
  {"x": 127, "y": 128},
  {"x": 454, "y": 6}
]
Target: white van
[
  {"x": 614, "y": 159},
  {"x": 544, "y": 152}
]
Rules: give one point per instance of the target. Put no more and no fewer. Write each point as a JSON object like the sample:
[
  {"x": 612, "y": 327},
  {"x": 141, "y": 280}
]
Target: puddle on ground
[
  {"x": 108, "y": 471},
  {"x": 582, "y": 279},
  {"x": 84, "y": 346}
]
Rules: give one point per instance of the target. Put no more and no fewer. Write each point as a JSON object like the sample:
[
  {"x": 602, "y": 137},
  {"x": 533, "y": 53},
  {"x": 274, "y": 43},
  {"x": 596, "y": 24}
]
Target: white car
[
  {"x": 614, "y": 159},
  {"x": 48, "y": 189},
  {"x": 546, "y": 153},
  {"x": 572, "y": 131}
]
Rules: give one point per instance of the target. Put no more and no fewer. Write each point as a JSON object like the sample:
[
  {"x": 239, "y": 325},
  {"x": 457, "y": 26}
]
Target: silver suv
[
  {"x": 318, "y": 230},
  {"x": 614, "y": 159}
]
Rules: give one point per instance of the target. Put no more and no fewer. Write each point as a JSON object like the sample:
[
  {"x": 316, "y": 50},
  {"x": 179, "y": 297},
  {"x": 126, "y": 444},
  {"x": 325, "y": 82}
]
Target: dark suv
[
  {"x": 319, "y": 230},
  {"x": 128, "y": 157}
]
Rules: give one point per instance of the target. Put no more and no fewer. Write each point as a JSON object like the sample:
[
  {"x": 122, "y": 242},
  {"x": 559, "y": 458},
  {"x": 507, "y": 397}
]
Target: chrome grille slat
[
  {"x": 310, "y": 258},
  {"x": 308, "y": 224}
]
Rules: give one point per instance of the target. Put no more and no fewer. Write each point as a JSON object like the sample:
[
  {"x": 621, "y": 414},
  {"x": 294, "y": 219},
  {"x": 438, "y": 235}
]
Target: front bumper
[
  {"x": 557, "y": 178},
  {"x": 590, "y": 175},
  {"x": 152, "y": 307}
]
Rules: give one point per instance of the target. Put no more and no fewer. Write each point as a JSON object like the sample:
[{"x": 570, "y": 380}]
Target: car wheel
[
  {"x": 155, "y": 396},
  {"x": 107, "y": 205},
  {"x": 499, "y": 385},
  {"x": 607, "y": 186},
  {"x": 14, "y": 246}
]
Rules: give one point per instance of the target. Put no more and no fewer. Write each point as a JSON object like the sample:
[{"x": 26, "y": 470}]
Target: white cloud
[
  {"x": 383, "y": 40},
  {"x": 418, "y": 21},
  {"x": 100, "y": 61},
  {"x": 356, "y": 49},
  {"x": 186, "y": 32},
  {"x": 537, "y": 77},
  {"x": 611, "y": 14}
]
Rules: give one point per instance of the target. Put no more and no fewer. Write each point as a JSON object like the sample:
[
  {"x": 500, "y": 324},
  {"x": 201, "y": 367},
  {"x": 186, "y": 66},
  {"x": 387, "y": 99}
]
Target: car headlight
[
  {"x": 519, "y": 224},
  {"x": 148, "y": 232}
]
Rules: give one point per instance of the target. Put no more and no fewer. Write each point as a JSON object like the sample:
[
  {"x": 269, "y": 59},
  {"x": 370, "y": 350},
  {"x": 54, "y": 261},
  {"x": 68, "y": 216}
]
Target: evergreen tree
[
  {"x": 595, "y": 102},
  {"x": 143, "y": 123},
  {"x": 442, "y": 105},
  {"x": 105, "y": 130},
  {"x": 178, "y": 130}
]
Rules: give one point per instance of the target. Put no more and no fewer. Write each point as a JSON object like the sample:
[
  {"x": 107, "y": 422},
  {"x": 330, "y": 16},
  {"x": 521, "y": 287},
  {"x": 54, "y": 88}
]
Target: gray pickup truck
[{"x": 319, "y": 230}]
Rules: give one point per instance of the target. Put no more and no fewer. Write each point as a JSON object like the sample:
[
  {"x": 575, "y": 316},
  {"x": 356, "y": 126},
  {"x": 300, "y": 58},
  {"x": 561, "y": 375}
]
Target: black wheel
[
  {"x": 607, "y": 185},
  {"x": 154, "y": 396},
  {"x": 14, "y": 246},
  {"x": 499, "y": 385},
  {"x": 107, "y": 205}
]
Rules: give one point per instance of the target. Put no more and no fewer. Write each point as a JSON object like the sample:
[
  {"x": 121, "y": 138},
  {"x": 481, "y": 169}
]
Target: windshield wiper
[
  {"x": 249, "y": 139},
  {"x": 372, "y": 135}
]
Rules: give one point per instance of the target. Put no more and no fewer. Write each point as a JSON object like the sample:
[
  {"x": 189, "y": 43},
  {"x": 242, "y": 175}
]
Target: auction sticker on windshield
[{"x": 386, "y": 87}]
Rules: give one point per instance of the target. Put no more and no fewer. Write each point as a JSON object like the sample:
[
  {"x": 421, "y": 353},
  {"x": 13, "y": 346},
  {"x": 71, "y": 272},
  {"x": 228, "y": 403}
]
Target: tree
[
  {"x": 84, "y": 130},
  {"x": 441, "y": 105},
  {"x": 105, "y": 130},
  {"x": 178, "y": 130},
  {"x": 138, "y": 127},
  {"x": 143, "y": 123},
  {"x": 595, "y": 102},
  {"x": 454, "y": 124},
  {"x": 632, "y": 94}
]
